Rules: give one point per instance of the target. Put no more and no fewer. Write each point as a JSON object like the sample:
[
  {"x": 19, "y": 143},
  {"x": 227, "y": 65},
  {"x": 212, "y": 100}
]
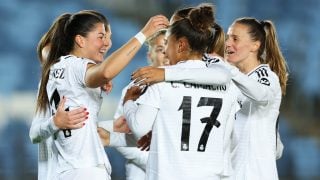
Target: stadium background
[{"x": 22, "y": 22}]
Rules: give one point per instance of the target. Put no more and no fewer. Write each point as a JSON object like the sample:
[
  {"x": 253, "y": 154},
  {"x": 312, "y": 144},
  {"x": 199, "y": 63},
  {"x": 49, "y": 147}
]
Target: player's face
[
  {"x": 108, "y": 41},
  {"x": 156, "y": 53},
  {"x": 96, "y": 43},
  {"x": 171, "y": 48},
  {"x": 239, "y": 46}
]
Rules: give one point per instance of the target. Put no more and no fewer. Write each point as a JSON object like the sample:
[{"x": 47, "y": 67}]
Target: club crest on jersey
[
  {"x": 263, "y": 76},
  {"x": 58, "y": 73},
  {"x": 209, "y": 59}
]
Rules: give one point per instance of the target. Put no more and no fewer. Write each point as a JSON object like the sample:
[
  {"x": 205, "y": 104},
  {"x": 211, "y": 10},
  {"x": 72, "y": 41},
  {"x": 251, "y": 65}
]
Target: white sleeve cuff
[
  {"x": 52, "y": 127},
  {"x": 169, "y": 74}
]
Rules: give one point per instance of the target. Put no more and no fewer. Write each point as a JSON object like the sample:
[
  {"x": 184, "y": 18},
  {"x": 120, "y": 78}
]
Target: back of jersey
[{"x": 192, "y": 128}]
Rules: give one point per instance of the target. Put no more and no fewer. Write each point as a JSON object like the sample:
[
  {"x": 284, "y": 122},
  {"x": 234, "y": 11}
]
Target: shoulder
[
  {"x": 71, "y": 59},
  {"x": 264, "y": 75},
  {"x": 211, "y": 60}
]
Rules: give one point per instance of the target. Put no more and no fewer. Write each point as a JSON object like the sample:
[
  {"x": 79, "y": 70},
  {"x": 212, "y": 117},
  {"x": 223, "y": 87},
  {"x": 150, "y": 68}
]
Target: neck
[{"x": 248, "y": 65}]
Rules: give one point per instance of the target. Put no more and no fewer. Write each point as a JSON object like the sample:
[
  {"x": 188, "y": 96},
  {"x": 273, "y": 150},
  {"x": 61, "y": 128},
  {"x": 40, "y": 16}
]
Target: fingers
[
  {"x": 107, "y": 87},
  {"x": 161, "y": 21},
  {"x": 61, "y": 103},
  {"x": 148, "y": 75},
  {"x": 141, "y": 76},
  {"x": 140, "y": 72},
  {"x": 154, "y": 24},
  {"x": 77, "y": 118},
  {"x": 73, "y": 119}
]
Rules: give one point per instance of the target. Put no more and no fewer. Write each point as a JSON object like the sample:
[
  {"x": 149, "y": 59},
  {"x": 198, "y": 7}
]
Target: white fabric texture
[{"x": 165, "y": 106}]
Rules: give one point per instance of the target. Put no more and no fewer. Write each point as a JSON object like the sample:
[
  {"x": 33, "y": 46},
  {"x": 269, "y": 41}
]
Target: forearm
[
  {"x": 41, "y": 129},
  {"x": 99, "y": 74},
  {"x": 251, "y": 88},
  {"x": 117, "y": 139},
  {"x": 214, "y": 75},
  {"x": 140, "y": 121},
  {"x": 137, "y": 156}
]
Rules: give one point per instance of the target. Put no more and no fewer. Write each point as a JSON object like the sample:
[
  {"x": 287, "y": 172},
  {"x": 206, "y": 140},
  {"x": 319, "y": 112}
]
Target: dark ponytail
[{"x": 62, "y": 43}]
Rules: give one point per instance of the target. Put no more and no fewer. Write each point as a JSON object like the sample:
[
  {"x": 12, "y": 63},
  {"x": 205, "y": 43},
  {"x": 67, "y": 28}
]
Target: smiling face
[
  {"x": 240, "y": 48},
  {"x": 108, "y": 40},
  {"x": 96, "y": 43}
]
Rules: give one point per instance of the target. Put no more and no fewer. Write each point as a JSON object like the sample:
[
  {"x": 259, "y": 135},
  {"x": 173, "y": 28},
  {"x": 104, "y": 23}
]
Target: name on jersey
[
  {"x": 58, "y": 73},
  {"x": 199, "y": 86}
]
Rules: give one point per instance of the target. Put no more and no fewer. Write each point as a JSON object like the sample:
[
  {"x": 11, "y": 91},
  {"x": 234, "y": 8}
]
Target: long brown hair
[
  {"x": 46, "y": 38},
  {"x": 62, "y": 42},
  {"x": 269, "y": 51}
]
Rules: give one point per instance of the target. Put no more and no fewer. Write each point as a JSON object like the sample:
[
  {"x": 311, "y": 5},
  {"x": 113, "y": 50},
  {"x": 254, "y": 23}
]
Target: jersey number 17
[{"x": 210, "y": 121}]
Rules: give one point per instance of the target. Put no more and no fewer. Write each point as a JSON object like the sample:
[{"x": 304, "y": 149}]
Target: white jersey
[
  {"x": 254, "y": 155},
  {"x": 76, "y": 148},
  {"x": 255, "y": 143},
  {"x": 41, "y": 131},
  {"x": 136, "y": 159},
  {"x": 191, "y": 130},
  {"x": 41, "y": 134}
]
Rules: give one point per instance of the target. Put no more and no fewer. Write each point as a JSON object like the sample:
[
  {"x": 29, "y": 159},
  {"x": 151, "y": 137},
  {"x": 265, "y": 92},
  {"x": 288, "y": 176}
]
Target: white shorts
[{"x": 92, "y": 173}]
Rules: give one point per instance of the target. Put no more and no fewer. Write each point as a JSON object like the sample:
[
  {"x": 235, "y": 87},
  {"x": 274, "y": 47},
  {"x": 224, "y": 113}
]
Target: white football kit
[
  {"x": 41, "y": 131},
  {"x": 191, "y": 127},
  {"x": 136, "y": 159},
  {"x": 77, "y": 148},
  {"x": 255, "y": 152},
  {"x": 255, "y": 143}
]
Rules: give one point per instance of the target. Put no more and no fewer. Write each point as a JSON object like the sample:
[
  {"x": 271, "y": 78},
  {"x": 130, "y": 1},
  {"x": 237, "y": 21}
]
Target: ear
[
  {"x": 183, "y": 44},
  {"x": 255, "y": 46},
  {"x": 79, "y": 40}
]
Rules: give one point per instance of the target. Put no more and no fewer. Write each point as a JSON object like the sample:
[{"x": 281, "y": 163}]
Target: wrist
[
  {"x": 53, "y": 125},
  {"x": 140, "y": 37}
]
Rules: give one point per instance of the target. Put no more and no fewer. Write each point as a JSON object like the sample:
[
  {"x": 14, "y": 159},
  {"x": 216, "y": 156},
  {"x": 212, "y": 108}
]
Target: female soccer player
[
  {"x": 253, "y": 48},
  {"x": 191, "y": 123},
  {"x": 136, "y": 158},
  {"x": 74, "y": 69}
]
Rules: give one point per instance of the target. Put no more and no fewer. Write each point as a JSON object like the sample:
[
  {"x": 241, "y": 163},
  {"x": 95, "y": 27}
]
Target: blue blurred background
[{"x": 22, "y": 23}]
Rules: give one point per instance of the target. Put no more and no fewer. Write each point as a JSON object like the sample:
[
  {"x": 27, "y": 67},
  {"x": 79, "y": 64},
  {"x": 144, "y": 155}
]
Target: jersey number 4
[
  {"x": 54, "y": 103},
  {"x": 210, "y": 121}
]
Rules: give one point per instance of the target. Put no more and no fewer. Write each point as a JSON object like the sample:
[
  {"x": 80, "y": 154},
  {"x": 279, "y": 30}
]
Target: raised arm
[{"x": 97, "y": 75}]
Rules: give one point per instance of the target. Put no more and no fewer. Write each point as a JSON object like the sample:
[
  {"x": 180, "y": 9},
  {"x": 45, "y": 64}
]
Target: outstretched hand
[
  {"x": 73, "y": 119},
  {"x": 133, "y": 93},
  {"x": 154, "y": 24},
  {"x": 148, "y": 75}
]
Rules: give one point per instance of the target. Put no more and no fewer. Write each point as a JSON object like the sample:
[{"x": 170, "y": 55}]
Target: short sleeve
[{"x": 79, "y": 70}]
